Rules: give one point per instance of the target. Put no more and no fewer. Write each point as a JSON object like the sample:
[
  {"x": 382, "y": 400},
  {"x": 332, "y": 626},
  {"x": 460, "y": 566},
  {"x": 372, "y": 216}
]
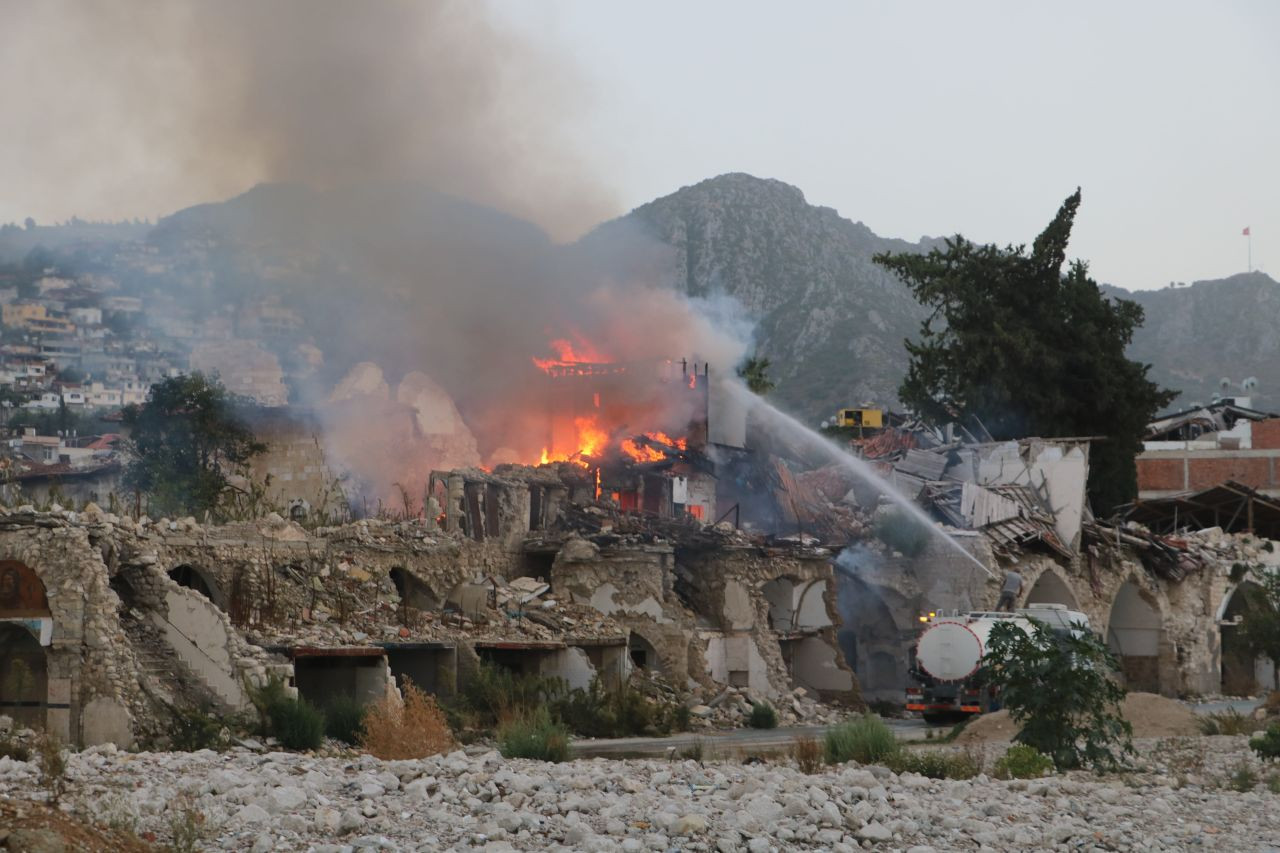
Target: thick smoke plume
[
  {"x": 138, "y": 108},
  {"x": 417, "y": 144}
]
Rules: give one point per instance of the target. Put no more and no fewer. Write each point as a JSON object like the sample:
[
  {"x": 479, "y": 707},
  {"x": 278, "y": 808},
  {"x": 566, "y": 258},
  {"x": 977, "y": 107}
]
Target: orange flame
[
  {"x": 590, "y": 441},
  {"x": 647, "y": 452},
  {"x": 577, "y": 351}
]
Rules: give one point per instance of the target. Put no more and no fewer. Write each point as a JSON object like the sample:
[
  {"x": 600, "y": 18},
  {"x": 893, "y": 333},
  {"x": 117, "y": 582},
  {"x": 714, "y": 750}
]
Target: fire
[
  {"x": 643, "y": 452},
  {"x": 577, "y": 351},
  {"x": 591, "y": 441}
]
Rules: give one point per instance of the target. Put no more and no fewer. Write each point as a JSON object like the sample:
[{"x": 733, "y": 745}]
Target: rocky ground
[{"x": 1177, "y": 797}]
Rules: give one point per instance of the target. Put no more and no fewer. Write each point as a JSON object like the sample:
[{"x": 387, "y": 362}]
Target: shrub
[
  {"x": 1273, "y": 783},
  {"x": 53, "y": 766},
  {"x": 496, "y": 694},
  {"x": 1228, "y": 722},
  {"x": 693, "y": 752},
  {"x": 1244, "y": 779},
  {"x": 1022, "y": 762},
  {"x": 762, "y": 716},
  {"x": 343, "y": 717},
  {"x": 534, "y": 736},
  {"x": 415, "y": 729},
  {"x": 681, "y": 717},
  {"x": 1267, "y": 744},
  {"x": 1058, "y": 688},
  {"x": 264, "y": 698},
  {"x": 191, "y": 729},
  {"x": 903, "y": 532},
  {"x": 297, "y": 724},
  {"x": 599, "y": 712},
  {"x": 186, "y": 826},
  {"x": 935, "y": 764},
  {"x": 807, "y": 754},
  {"x": 863, "y": 739}
]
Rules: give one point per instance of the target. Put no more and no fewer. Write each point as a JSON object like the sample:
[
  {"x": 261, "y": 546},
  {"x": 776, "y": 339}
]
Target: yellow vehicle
[{"x": 865, "y": 418}]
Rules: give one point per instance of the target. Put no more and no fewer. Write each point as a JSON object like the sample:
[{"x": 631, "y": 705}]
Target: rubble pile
[{"x": 1177, "y": 797}]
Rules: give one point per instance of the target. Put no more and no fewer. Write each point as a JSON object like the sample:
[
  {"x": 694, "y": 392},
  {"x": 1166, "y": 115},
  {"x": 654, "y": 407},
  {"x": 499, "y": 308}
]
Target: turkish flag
[{"x": 1245, "y": 232}]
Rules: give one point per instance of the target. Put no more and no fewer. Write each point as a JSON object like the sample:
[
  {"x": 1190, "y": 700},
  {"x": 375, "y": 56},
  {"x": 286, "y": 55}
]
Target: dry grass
[
  {"x": 414, "y": 729},
  {"x": 807, "y": 754}
]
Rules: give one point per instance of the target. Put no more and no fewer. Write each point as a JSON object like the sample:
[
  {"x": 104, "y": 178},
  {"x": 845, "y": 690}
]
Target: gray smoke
[
  {"x": 417, "y": 143},
  {"x": 139, "y": 108}
]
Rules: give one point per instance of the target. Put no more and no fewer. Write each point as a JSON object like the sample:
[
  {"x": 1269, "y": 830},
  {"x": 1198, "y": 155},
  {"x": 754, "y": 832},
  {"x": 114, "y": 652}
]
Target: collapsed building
[{"x": 683, "y": 553}]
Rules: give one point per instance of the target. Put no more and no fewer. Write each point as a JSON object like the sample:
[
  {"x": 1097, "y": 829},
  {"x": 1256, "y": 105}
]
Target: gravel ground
[{"x": 1177, "y": 798}]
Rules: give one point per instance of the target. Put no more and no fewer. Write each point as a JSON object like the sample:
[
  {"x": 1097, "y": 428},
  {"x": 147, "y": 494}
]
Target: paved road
[
  {"x": 736, "y": 743},
  {"x": 744, "y": 742}
]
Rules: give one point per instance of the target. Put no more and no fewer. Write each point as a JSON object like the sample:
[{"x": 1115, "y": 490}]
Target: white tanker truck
[{"x": 945, "y": 663}]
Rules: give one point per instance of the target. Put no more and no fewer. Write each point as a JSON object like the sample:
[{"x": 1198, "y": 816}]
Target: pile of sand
[{"x": 1149, "y": 714}]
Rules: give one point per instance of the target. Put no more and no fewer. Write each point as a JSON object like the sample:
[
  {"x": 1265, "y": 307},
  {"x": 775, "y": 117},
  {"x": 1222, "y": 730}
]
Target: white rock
[
  {"x": 251, "y": 814},
  {"x": 874, "y": 832}
]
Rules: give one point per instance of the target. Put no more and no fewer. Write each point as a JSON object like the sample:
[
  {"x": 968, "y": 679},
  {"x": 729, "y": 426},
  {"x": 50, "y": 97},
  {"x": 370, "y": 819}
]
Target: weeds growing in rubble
[
  {"x": 296, "y": 723},
  {"x": 1267, "y": 744},
  {"x": 343, "y": 717},
  {"x": 620, "y": 712},
  {"x": 695, "y": 751},
  {"x": 494, "y": 693},
  {"x": 807, "y": 754},
  {"x": 53, "y": 766},
  {"x": 935, "y": 763},
  {"x": 865, "y": 739},
  {"x": 1228, "y": 722},
  {"x": 1244, "y": 779},
  {"x": 534, "y": 736},
  {"x": 187, "y": 826},
  {"x": 392, "y": 730}
]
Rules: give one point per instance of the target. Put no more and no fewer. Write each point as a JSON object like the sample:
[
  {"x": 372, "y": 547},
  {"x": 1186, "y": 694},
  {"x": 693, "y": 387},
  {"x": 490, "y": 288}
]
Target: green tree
[
  {"x": 1259, "y": 629},
  {"x": 187, "y": 439},
  {"x": 1024, "y": 349},
  {"x": 1058, "y": 688},
  {"x": 755, "y": 372}
]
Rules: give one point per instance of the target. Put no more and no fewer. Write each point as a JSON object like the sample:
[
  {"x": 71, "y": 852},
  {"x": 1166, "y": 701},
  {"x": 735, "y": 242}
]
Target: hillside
[
  {"x": 830, "y": 320},
  {"x": 1195, "y": 336}
]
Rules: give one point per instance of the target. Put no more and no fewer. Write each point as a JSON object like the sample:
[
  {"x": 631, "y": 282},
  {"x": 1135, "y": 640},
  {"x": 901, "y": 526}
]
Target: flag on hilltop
[{"x": 1245, "y": 232}]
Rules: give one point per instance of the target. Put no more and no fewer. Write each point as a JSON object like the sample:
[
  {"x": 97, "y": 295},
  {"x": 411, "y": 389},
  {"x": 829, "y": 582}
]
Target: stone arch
[
  {"x": 1050, "y": 588},
  {"x": 1135, "y": 634},
  {"x": 22, "y": 593},
  {"x": 413, "y": 592},
  {"x": 195, "y": 578},
  {"x": 643, "y": 654},
  {"x": 24, "y": 676},
  {"x": 1241, "y": 673}
]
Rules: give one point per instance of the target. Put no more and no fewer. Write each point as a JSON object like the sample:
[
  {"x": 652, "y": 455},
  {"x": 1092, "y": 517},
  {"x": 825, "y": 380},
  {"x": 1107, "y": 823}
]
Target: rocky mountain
[
  {"x": 1198, "y": 335},
  {"x": 831, "y": 321}
]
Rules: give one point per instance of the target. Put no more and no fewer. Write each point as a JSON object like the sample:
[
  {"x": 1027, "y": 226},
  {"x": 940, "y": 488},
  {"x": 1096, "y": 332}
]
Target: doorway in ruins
[
  {"x": 24, "y": 676},
  {"x": 1243, "y": 674},
  {"x": 1049, "y": 588},
  {"x": 871, "y": 641},
  {"x": 196, "y": 578},
  {"x": 24, "y": 662},
  {"x": 1134, "y": 634}
]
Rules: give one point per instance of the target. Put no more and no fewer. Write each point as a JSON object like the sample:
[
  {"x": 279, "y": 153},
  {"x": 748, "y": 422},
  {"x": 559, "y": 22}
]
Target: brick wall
[
  {"x": 1160, "y": 475},
  {"x": 1252, "y": 471},
  {"x": 1195, "y": 472},
  {"x": 1266, "y": 434}
]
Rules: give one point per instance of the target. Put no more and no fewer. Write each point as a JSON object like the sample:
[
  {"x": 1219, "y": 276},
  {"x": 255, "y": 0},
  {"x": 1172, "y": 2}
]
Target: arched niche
[
  {"x": 1050, "y": 588},
  {"x": 1134, "y": 633}
]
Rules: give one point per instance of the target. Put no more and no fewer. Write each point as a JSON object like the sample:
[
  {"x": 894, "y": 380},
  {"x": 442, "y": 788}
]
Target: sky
[{"x": 923, "y": 118}]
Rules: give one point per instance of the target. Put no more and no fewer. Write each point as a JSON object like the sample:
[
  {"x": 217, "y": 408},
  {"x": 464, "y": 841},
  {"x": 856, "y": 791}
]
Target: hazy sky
[
  {"x": 915, "y": 118},
  {"x": 931, "y": 118}
]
